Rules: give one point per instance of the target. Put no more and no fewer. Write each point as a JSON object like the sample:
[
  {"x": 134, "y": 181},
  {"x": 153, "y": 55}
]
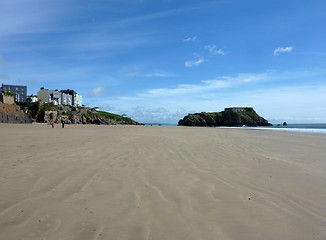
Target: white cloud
[
  {"x": 205, "y": 86},
  {"x": 159, "y": 74},
  {"x": 157, "y": 115},
  {"x": 179, "y": 113},
  {"x": 138, "y": 112},
  {"x": 294, "y": 104},
  {"x": 214, "y": 51},
  {"x": 151, "y": 74},
  {"x": 158, "y": 110},
  {"x": 107, "y": 107},
  {"x": 288, "y": 97},
  {"x": 280, "y": 50},
  {"x": 190, "y": 39},
  {"x": 96, "y": 91},
  {"x": 194, "y": 63},
  {"x": 132, "y": 74}
]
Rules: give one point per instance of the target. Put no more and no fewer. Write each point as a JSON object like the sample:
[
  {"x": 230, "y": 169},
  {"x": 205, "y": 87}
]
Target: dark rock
[
  {"x": 225, "y": 118},
  {"x": 10, "y": 113},
  {"x": 48, "y": 113}
]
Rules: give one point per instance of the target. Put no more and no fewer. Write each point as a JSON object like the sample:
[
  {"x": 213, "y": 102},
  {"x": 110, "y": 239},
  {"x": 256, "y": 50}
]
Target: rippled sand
[{"x": 168, "y": 182}]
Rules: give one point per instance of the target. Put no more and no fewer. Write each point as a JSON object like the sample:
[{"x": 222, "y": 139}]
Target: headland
[{"x": 230, "y": 117}]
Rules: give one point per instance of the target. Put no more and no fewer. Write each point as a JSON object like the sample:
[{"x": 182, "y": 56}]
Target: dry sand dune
[{"x": 142, "y": 182}]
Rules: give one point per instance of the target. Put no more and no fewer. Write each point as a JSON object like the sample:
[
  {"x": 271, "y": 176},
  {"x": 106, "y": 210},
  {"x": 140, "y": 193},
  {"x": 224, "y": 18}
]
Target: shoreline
[
  {"x": 271, "y": 128},
  {"x": 282, "y": 129}
]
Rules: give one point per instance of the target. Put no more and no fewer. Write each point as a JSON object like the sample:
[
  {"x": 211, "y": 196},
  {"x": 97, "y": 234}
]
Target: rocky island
[{"x": 230, "y": 117}]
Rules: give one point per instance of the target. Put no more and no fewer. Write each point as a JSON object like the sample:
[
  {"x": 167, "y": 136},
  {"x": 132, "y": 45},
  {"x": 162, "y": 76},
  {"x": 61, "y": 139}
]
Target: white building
[
  {"x": 50, "y": 96},
  {"x": 78, "y": 100},
  {"x": 32, "y": 98},
  {"x": 66, "y": 99},
  {"x": 63, "y": 97}
]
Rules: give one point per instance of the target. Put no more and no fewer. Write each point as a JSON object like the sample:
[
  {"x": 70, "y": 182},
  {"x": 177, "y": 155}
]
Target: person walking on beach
[
  {"x": 63, "y": 124},
  {"x": 53, "y": 125}
]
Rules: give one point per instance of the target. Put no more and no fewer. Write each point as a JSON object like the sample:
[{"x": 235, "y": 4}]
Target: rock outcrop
[
  {"x": 11, "y": 113},
  {"x": 47, "y": 113},
  {"x": 22, "y": 112},
  {"x": 247, "y": 117}
]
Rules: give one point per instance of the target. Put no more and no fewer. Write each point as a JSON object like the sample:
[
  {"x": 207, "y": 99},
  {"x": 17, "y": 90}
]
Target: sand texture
[{"x": 160, "y": 182}]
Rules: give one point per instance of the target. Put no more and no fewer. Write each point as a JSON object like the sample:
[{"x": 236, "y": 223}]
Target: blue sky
[{"x": 157, "y": 61}]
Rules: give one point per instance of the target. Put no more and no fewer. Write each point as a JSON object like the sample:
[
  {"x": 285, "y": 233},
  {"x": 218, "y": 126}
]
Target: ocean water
[{"x": 304, "y": 128}]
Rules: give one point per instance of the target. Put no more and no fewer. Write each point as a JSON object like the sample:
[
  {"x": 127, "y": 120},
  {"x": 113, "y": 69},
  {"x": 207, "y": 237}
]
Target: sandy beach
[{"x": 160, "y": 182}]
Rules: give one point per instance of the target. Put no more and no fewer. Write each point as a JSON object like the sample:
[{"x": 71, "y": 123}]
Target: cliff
[
  {"x": 47, "y": 112},
  {"x": 11, "y": 113},
  {"x": 227, "y": 118}
]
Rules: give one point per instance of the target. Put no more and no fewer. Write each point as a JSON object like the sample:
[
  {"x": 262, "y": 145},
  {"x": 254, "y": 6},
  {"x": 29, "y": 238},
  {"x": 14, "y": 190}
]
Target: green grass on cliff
[
  {"x": 249, "y": 116},
  {"x": 214, "y": 114},
  {"x": 37, "y": 111},
  {"x": 224, "y": 118},
  {"x": 114, "y": 117}
]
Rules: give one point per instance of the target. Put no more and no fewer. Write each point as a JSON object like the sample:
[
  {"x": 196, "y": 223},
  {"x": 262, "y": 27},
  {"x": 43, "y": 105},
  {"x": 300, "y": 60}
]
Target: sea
[{"x": 303, "y": 128}]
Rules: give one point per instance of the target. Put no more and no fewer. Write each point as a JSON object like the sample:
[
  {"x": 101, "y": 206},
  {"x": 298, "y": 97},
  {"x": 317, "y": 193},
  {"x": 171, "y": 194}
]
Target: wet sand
[{"x": 160, "y": 182}]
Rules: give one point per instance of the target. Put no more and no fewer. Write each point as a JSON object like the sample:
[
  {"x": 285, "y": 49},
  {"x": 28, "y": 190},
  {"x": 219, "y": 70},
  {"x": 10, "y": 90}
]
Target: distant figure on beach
[
  {"x": 53, "y": 125},
  {"x": 63, "y": 124}
]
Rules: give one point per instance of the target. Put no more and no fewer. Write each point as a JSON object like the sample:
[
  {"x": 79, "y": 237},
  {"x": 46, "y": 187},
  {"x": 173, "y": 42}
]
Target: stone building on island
[{"x": 239, "y": 109}]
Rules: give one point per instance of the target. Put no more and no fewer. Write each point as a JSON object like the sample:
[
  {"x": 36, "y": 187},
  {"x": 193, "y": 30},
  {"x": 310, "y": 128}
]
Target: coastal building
[
  {"x": 239, "y": 109},
  {"x": 76, "y": 99},
  {"x": 63, "y": 97},
  {"x": 79, "y": 100},
  {"x": 49, "y": 96},
  {"x": 66, "y": 99},
  {"x": 32, "y": 98},
  {"x": 19, "y": 91}
]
